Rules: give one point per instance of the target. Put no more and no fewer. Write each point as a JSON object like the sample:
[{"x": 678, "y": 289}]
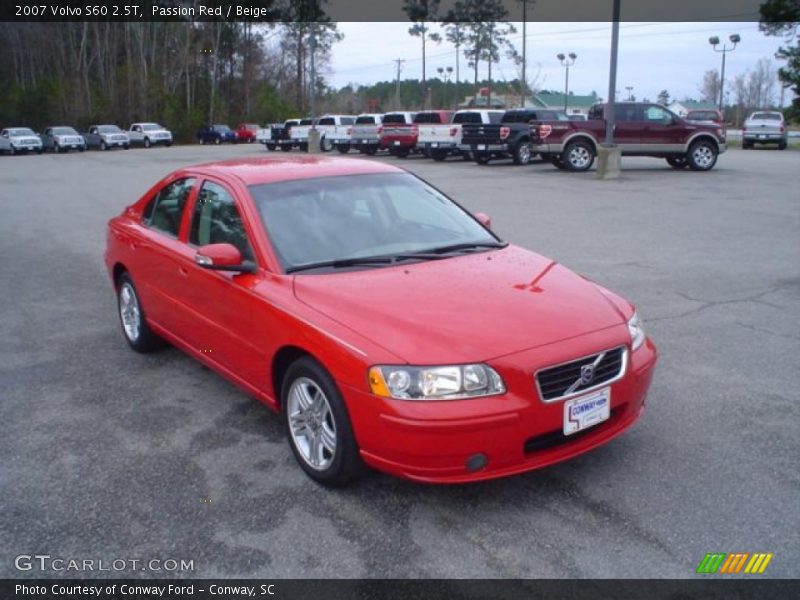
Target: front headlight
[
  {"x": 636, "y": 330},
  {"x": 404, "y": 382}
]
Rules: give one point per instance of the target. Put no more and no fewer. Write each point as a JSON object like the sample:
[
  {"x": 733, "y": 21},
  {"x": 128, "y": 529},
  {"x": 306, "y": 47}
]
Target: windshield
[
  {"x": 108, "y": 129},
  {"x": 64, "y": 131},
  {"x": 151, "y": 127},
  {"x": 767, "y": 117},
  {"x": 357, "y": 216},
  {"x": 20, "y": 132}
]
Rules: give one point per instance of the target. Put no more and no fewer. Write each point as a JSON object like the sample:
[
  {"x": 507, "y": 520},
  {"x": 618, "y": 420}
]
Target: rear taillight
[
  {"x": 783, "y": 128},
  {"x": 380, "y": 130},
  {"x": 453, "y": 131},
  {"x": 504, "y": 132}
]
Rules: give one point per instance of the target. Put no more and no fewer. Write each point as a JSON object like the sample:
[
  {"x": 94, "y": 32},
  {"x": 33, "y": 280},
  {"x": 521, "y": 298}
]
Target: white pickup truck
[
  {"x": 765, "y": 127},
  {"x": 298, "y": 135},
  {"x": 335, "y": 132},
  {"x": 366, "y": 135},
  {"x": 441, "y": 141},
  {"x": 149, "y": 134}
]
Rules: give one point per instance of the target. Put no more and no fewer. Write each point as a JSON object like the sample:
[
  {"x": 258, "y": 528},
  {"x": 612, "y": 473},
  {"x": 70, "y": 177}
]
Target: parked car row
[
  {"x": 63, "y": 138},
  {"x": 641, "y": 129}
]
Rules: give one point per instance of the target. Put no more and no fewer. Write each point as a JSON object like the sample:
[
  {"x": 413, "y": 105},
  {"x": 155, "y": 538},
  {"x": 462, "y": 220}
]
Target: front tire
[
  {"x": 578, "y": 156},
  {"x": 317, "y": 425},
  {"x": 103, "y": 146},
  {"x": 147, "y": 142},
  {"x": 131, "y": 316},
  {"x": 217, "y": 141},
  {"x": 325, "y": 145},
  {"x": 482, "y": 158},
  {"x": 702, "y": 156},
  {"x": 438, "y": 155}
]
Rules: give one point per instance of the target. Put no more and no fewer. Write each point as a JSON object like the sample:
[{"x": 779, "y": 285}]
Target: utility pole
[
  {"x": 399, "y": 62},
  {"x": 609, "y": 154},
  {"x": 524, "y": 53}
]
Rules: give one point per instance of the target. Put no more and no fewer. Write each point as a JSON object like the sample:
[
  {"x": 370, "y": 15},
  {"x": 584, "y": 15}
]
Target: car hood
[{"x": 463, "y": 309}]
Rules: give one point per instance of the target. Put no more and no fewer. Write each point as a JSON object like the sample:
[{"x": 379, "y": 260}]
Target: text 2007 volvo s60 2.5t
[{"x": 387, "y": 325}]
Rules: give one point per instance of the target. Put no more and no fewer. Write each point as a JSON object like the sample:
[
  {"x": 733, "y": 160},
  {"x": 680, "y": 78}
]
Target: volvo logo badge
[{"x": 587, "y": 374}]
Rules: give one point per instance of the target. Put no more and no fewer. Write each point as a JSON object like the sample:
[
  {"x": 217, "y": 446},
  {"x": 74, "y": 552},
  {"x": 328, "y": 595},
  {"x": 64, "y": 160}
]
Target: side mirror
[
  {"x": 223, "y": 257},
  {"x": 484, "y": 219}
]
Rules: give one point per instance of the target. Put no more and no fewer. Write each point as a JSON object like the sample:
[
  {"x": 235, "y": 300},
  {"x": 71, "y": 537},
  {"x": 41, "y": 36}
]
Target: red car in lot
[
  {"x": 246, "y": 132},
  {"x": 386, "y": 324}
]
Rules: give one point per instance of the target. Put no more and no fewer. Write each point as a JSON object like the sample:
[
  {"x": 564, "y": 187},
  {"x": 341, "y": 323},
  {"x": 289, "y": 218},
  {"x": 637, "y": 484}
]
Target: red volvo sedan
[{"x": 387, "y": 325}]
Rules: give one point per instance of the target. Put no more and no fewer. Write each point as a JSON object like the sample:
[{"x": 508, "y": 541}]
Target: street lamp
[
  {"x": 444, "y": 74},
  {"x": 714, "y": 41},
  {"x": 566, "y": 61},
  {"x": 630, "y": 92}
]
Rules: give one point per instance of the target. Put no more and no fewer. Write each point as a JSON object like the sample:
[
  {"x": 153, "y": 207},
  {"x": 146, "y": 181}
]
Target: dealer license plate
[
  {"x": 587, "y": 411},
  {"x": 761, "y": 137},
  {"x": 481, "y": 146},
  {"x": 435, "y": 145},
  {"x": 396, "y": 143}
]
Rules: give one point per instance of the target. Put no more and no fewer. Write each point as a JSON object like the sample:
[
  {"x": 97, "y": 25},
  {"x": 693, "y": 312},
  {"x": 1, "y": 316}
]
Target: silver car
[{"x": 62, "y": 139}]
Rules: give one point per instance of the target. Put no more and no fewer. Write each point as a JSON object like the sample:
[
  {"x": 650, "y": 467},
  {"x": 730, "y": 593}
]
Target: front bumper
[{"x": 434, "y": 441}]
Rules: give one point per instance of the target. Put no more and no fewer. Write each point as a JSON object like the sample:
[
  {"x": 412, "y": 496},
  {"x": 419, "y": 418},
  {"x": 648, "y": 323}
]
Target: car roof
[{"x": 256, "y": 171}]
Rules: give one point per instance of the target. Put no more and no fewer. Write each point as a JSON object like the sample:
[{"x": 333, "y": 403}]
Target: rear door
[{"x": 628, "y": 126}]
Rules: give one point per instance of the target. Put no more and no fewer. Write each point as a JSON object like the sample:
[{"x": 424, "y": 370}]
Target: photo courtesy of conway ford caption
[{"x": 388, "y": 326}]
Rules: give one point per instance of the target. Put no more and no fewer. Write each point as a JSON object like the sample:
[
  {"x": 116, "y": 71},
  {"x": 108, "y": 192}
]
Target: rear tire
[
  {"x": 343, "y": 148},
  {"x": 438, "y": 155},
  {"x": 285, "y": 148},
  {"x": 782, "y": 145},
  {"x": 132, "y": 318},
  {"x": 202, "y": 141},
  {"x": 578, "y": 156},
  {"x": 103, "y": 146},
  {"x": 678, "y": 162},
  {"x": 522, "y": 154},
  {"x": 317, "y": 425},
  {"x": 217, "y": 141},
  {"x": 702, "y": 156}
]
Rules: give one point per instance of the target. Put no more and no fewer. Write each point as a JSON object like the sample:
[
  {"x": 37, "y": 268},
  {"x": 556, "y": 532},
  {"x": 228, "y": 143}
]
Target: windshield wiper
[
  {"x": 464, "y": 246},
  {"x": 388, "y": 259}
]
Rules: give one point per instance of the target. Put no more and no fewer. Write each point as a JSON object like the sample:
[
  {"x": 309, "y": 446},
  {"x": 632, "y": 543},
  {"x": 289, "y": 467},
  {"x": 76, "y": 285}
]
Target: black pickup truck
[{"x": 509, "y": 138}]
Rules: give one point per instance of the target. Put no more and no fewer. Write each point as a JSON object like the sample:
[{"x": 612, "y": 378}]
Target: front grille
[{"x": 565, "y": 379}]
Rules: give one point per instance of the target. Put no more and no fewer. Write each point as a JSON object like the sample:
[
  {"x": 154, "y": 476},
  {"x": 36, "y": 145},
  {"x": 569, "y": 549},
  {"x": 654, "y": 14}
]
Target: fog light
[{"x": 476, "y": 462}]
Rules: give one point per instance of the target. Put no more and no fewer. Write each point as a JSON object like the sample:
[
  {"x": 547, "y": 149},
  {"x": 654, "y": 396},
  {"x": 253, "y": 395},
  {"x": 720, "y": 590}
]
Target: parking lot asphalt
[{"x": 108, "y": 454}]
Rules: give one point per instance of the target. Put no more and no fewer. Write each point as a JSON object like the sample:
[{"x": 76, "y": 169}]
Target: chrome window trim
[{"x": 622, "y": 371}]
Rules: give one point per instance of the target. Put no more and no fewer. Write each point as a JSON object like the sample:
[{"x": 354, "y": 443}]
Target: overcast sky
[{"x": 652, "y": 56}]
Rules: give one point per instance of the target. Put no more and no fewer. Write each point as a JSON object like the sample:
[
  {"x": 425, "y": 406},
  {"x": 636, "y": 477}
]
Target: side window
[
  {"x": 165, "y": 209},
  {"x": 657, "y": 114},
  {"x": 216, "y": 220},
  {"x": 626, "y": 112}
]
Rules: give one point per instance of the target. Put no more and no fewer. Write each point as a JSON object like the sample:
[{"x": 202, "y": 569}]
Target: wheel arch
[
  {"x": 116, "y": 273},
  {"x": 281, "y": 361},
  {"x": 701, "y": 136},
  {"x": 580, "y": 136}
]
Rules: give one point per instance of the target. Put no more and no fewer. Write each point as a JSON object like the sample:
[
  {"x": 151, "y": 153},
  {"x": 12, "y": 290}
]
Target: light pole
[
  {"x": 567, "y": 61},
  {"x": 444, "y": 75},
  {"x": 714, "y": 41},
  {"x": 630, "y": 92}
]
